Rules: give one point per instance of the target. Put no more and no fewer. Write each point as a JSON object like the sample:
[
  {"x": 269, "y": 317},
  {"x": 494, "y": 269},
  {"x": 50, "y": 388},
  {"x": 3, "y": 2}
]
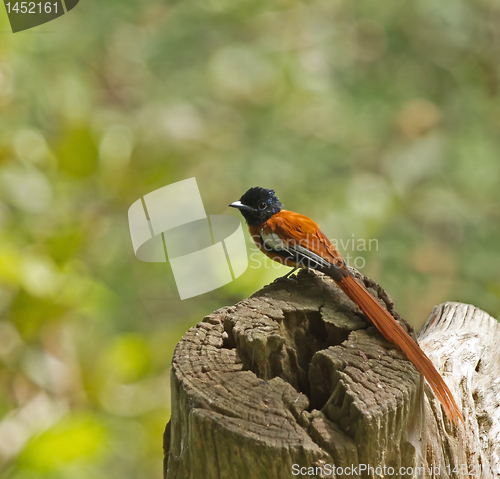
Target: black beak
[{"x": 239, "y": 205}]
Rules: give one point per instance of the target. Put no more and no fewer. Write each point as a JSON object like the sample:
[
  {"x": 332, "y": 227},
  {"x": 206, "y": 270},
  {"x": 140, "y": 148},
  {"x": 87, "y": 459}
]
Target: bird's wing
[{"x": 301, "y": 236}]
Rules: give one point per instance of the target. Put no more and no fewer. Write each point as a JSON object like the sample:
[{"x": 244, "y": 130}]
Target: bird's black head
[{"x": 257, "y": 205}]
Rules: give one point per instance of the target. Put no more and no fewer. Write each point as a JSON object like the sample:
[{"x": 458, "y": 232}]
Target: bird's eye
[{"x": 262, "y": 206}]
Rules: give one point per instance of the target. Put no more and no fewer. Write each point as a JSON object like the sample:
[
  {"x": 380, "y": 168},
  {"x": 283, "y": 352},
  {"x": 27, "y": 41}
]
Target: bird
[{"x": 295, "y": 240}]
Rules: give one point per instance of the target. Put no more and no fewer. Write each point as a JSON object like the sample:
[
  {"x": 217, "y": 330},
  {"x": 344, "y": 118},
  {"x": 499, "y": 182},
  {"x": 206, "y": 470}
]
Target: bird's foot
[{"x": 286, "y": 276}]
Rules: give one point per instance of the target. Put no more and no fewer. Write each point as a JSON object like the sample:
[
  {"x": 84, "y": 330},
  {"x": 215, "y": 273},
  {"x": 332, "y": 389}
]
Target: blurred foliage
[{"x": 381, "y": 122}]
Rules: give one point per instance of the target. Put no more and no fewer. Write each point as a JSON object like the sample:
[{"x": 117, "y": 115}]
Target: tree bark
[{"x": 296, "y": 377}]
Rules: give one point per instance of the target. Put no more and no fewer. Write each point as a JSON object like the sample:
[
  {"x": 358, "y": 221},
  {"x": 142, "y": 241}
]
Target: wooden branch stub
[
  {"x": 296, "y": 375},
  {"x": 465, "y": 341}
]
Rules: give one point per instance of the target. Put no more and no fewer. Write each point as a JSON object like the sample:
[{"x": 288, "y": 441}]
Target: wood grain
[{"x": 297, "y": 375}]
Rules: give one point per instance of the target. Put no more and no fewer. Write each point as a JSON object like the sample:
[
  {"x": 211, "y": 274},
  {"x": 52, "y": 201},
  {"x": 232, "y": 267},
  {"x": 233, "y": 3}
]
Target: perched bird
[{"x": 296, "y": 241}]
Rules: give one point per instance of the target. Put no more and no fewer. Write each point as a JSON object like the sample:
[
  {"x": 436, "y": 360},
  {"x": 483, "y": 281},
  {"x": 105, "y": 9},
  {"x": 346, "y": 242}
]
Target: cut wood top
[{"x": 297, "y": 375}]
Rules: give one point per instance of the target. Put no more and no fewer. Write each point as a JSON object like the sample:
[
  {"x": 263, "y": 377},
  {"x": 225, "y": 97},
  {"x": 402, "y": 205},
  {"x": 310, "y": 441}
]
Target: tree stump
[{"x": 296, "y": 382}]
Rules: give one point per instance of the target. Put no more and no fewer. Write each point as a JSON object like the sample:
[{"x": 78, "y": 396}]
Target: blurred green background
[{"x": 380, "y": 121}]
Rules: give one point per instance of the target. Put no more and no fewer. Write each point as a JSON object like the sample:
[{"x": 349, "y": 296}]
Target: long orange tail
[{"x": 392, "y": 331}]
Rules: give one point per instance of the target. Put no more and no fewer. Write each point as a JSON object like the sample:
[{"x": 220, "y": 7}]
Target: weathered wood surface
[{"x": 296, "y": 375}]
